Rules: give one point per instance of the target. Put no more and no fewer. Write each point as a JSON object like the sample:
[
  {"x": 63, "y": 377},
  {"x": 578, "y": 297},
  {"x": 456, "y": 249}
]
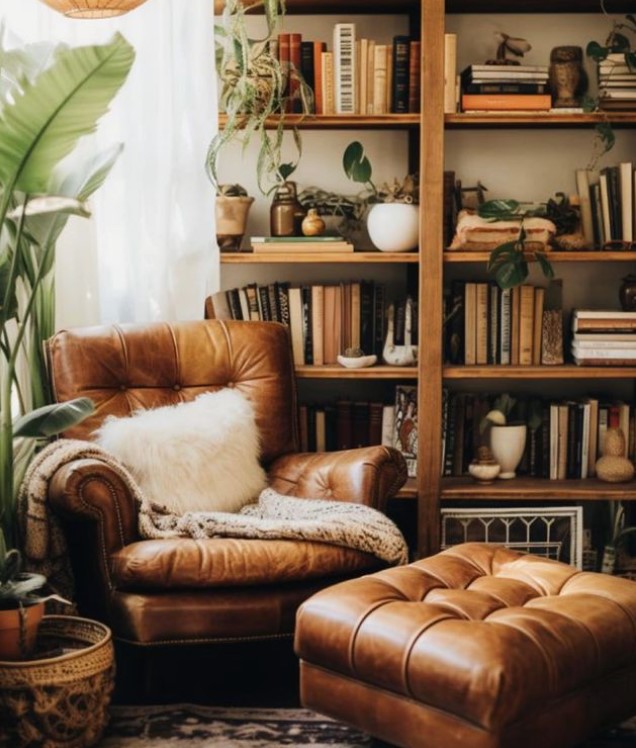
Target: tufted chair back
[{"x": 123, "y": 368}]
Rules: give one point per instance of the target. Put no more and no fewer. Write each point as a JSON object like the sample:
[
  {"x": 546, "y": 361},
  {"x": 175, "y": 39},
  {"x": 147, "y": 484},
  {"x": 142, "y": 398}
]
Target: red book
[
  {"x": 415, "y": 51},
  {"x": 319, "y": 48},
  {"x": 294, "y": 104},
  {"x": 283, "y": 59}
]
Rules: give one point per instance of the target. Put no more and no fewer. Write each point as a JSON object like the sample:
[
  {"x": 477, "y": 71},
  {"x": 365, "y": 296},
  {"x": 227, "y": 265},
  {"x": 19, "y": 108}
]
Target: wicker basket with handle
[{"x": 60, "y": 696}]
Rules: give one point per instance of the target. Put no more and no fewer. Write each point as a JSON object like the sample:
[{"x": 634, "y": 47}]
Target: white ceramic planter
[
  {"x": 394, "y": 227},
  {"x": 507, "y": 444}
]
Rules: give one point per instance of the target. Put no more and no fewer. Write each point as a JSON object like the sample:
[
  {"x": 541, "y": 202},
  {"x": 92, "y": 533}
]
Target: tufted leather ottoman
[{"x": 478, "y": 647}]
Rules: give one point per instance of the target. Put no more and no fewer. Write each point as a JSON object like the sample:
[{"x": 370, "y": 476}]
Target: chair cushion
[
  {"x": 199, "y": 456},
  {"x": 184, "y": 563}
]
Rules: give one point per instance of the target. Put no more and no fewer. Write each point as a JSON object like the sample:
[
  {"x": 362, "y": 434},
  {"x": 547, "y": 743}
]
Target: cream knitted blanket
[{"x": 272, "y": 516}]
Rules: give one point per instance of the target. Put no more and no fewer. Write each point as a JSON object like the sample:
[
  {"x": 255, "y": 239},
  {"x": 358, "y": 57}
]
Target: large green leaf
[
  {"x": 53, "y": 419},
  {"x": 61, "y": 105},
  {"x": 355, "y": 164}
]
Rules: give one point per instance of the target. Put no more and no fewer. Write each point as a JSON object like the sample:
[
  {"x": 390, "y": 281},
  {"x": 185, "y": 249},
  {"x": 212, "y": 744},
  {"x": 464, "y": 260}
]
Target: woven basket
[{"x": 59, "y": 697}]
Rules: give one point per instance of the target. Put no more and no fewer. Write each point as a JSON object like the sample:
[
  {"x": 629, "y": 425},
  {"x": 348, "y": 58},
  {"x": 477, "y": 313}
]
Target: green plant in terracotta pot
[{"x": 50, "y": 98}]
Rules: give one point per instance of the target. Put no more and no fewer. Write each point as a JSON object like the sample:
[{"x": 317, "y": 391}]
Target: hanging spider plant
[{"x": 254, "y": 88}]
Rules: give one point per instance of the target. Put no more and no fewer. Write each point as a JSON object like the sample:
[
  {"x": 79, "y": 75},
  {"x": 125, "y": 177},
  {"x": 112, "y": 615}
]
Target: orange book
[
  {"x": 294, "y": 103},
  {"x": 327, "y": 83},
  {"x": 537, "y": 330},
  {"x": 514, "y": 326},
  {"x": 506, "y": 102},
  {"x": 319, "y": 48},
  {"x": 526, "y": 324},
  {"x": 332, "y": 310}
]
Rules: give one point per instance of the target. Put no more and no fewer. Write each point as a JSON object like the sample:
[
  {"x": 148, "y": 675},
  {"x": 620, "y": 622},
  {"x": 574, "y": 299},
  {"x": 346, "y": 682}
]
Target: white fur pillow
[{"x": 196, "y": 456}]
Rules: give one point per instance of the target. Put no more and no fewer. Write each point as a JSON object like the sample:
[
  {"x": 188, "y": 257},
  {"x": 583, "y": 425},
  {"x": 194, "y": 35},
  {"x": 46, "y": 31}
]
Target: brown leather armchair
[{"x": 184, "y": 591}]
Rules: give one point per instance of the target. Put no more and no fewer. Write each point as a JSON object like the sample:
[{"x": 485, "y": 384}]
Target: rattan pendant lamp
[{"x": 93, "y": 8}]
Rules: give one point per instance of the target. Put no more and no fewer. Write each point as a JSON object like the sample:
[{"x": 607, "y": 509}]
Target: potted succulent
[
  {"x": 393, "y": 219},
  {"x": 254, "y": 86},
  {"x": 49, "y": 101},
  {"x": 232, "y": 208}
]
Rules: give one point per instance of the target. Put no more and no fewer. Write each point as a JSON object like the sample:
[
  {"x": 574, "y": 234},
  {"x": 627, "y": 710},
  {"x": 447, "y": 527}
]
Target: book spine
[
  {"x": 327, "y": 83},
  {"x": 266, "y": 314},
  {"x": 379, "y": 319},
  {"x": 583, "y": 189},
  {"x": 388, "y": 420},
  {"x": 234, "y": 303},
  {"x": 537, "y": 325},
  {"x": 308, "y": 343},
  {"x": 283, "y": 302},
  {"x": 295, "y": 60},
  {"x": 319, "y": 48},
  {"x": 493, "y": 329},
  {"x": 272, "y": 297},
  {"x": 307, "y": 68},
  {"x": 344, "y": 424},
  {"x": 375, "y": 423},
  {"x": 514, "y": 326},
  {"x": 355, "y": 314},
  {"x": 626, "y": 179},
  {"x": 450, "y": 72},
  {"x": 400, "y": 75},
  {"x": 605, "y": 205},
  {"x": 526, "y": 321},
  {"x": 505, "y": 88},
  {"x": 363, "y": 64},
  {"x": 296, "y": 325},
  {"x": 370, "y": 75},
  {"x": 344, "y": 35},
  {"x": 415, "y": 51},
  {"x": 366, "y": 317},
  {"x": 470, "y": 318},
  {"x": 449, "y": 207},
  {"x": 505, "y": 326},
  {"x": 481, "y": 324},
  {"x": 317, "y": 324},
  {"x": 321, "y": 430},
  {"x": 379, "y": 79},
  {"x": 360, "y": 424},
  {"x": 506, "y": 102}
]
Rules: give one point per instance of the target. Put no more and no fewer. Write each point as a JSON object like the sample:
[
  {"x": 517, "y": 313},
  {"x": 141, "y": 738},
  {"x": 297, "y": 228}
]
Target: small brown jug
[{"x": 286, "y": 213}]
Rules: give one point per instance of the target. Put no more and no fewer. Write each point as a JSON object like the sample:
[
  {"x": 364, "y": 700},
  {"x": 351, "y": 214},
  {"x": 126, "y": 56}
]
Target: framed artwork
[{"x": 553, "y": 532}]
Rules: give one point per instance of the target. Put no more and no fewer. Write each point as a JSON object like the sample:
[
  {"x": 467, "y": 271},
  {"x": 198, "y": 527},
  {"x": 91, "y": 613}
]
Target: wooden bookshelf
[
  {"x": 536, "y": 489},
  {"x": 371, "y": 372},
  {"x": 538, "y": 119},
  {"x": 241, "y": 258},
  {"x": 340, "y": 121},
  {"x": 553, "y": 256},
  {"x": 565, "y": 371},
  {"x": 327, "y": 7}
]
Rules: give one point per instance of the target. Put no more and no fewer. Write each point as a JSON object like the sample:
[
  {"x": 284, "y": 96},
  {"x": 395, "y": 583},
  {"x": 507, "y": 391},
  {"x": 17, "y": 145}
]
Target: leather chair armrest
[
  {"x": 99, "y": 516},
  {"x": 370, "y": 475}
]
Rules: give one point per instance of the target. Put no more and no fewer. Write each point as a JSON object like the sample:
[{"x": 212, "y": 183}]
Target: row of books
[
  {"x": 324, "y": 320},
  {"x": 487, "y": 325},
  {"x": 616, "y": 83},
  {"x": 604, "y": 337},
  {"x": 607, "y": 198},
  {"x": 347, "y": 424},
  {"x": 505, "y": 88},
  {"x": 354, "y": 76},
  {"x": 564, "y": 438}
]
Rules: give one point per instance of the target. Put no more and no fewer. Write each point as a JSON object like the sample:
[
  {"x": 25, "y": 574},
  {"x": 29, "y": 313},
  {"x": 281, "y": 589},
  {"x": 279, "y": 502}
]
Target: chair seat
[{"x": 184, "y": 563}]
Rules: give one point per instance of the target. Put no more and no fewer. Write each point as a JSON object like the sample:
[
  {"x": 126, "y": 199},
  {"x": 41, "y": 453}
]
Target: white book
[
  {"x": 504, "y": 69},
  {"x": 609, "y": 337},
  {"x": 585, "y": 354},
  {"x": 585, "y": 439},
  {"x": 603, "y": 314},
  {"x": 554, "y": 440},
  {"x": 388, "y": 421},
  {"x": 603, "y": 422},
  {"x": 450, "y": 72},
  {"x": 488, "y": 76},
  {"x": 584, "y": 345},
  {"x": 344, "y": 64},
  {"x": 245, "y": 307}
]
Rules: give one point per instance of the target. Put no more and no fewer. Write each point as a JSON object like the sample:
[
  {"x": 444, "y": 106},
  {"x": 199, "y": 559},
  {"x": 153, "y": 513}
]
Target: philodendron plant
[{"x": 50, "y": 97}]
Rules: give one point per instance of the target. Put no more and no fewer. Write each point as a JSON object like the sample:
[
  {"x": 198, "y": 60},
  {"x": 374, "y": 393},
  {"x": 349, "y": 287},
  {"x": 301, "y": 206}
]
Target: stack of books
[
  {"x": 604, "y": 338},
  {"x": 505, "y": 88},
  {"x": 616, "y": 83},
  {"x": 607, "y": 205}
]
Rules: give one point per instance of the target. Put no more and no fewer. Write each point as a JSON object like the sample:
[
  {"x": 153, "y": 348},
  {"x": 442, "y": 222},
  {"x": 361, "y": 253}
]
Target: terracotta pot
[
  {"x": 14, "y": 643},
  {"x": 231, "y": 221}
]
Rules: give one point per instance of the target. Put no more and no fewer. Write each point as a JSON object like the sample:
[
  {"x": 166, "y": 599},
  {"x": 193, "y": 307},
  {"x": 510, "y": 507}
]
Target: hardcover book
[
  {"x": 405, "y": 426},
  {"x": 344, "y": 63}
]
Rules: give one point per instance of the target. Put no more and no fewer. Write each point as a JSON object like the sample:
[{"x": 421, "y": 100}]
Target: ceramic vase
[
  {"x": 394, "y": 227},
  {"x": 507, "y": 444},
  {"x": 231, "y": 221}
]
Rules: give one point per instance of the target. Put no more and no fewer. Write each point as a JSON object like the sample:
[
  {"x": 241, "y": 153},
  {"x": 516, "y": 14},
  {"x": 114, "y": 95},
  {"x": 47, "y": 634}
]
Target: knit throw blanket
[{"x": 272, "y": 516}]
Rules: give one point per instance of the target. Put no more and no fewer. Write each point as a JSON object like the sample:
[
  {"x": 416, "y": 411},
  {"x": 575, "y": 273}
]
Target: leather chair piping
[{"x": 202, "y": 640}]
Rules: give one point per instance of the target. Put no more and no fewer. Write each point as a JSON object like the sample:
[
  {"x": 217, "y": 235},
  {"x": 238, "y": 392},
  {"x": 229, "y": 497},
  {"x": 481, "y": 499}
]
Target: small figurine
[
  {"x": 514, "y": 45},
  {"x": 354, "y": 358}
]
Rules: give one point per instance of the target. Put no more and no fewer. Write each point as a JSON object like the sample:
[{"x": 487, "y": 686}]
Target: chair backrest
[{"x": 123, "y": 368}]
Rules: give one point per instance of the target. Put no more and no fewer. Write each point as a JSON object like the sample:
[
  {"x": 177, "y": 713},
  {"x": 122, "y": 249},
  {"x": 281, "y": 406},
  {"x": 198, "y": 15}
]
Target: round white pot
[
  {"x": 507, "y": 444},
  {"x": 394, "y": 227}
]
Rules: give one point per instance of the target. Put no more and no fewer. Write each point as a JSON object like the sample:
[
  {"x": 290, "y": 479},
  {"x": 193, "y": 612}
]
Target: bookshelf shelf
[
  {"x": 240, "y": 258},
  {"x": 538, "y": 119},
  {"x": 340, "y": 121},
  {"x": 340, "y": 372},
  {"x": 536, "y": 489},
  {"x": 408, "y": 490},
  {"x": 327, "y": 7},
  {"x": 536, "y": 6},
  {"x": 453, "y": 256},
  {"x": 566, "y": 371}
]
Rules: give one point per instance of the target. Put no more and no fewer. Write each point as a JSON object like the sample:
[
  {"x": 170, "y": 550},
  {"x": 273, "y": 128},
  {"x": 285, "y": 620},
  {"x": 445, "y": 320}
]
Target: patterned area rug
[{"x": 188, "y": 726}]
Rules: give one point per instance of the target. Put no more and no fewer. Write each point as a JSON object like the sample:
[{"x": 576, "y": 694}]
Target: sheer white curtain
[{"x": 149, "y": 251}]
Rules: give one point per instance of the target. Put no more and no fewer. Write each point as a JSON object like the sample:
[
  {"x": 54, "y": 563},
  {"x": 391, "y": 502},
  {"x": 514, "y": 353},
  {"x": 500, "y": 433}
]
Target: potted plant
[
  {"x": 393, "y": 220},
  {"x": 254, "y": 86},
  {"x": 507, "y": 440},
  {"x": 508, "y": 262},
  {"x": 49, "y": 101},
  {"x": 232, "y": 208}
]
